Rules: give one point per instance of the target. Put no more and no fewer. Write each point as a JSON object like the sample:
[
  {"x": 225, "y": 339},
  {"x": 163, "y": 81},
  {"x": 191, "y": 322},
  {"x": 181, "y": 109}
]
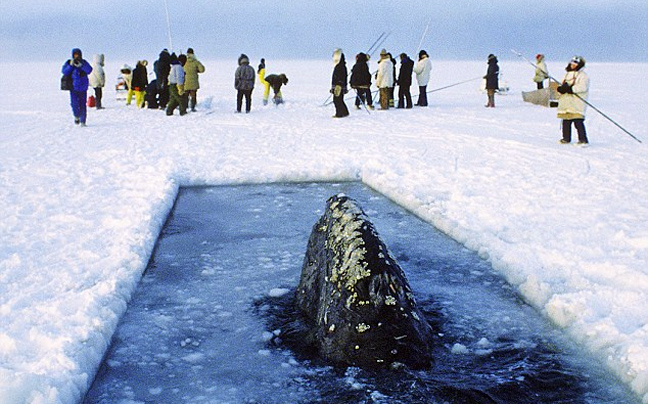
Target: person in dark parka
[
  {"x": 276, "y": 81},
  {"x": 139, "y": 82},
  {"x": 492, "y": 80},
  {"x": 162, "y": 67},
  {"x": 405, "y": 81},
  {"x": 244, "y": 83},
  {"x": 361, "y": 81},
  {"x": 339, "y": 84},
  {"x": 392, "y": 89},
  {"x": 79, "y": 69}
]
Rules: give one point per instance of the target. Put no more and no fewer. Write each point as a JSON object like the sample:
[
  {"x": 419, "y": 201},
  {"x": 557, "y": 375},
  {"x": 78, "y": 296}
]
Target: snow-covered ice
[{"x": 82, "y": 207}]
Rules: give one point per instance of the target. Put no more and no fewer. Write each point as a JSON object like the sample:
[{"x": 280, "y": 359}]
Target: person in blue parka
[{"x": 79, "y": 69}]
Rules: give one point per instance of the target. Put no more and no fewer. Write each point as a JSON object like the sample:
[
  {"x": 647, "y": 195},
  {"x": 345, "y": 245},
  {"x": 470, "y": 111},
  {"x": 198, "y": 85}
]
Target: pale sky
[{"x": 458, "y": 29}]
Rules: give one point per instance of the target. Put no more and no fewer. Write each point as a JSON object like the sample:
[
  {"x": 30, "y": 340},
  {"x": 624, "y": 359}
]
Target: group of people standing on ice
[
  {"x": 572, "y": 104},
  {"x": 176, "y": 84},
  {"x": 386, "y": 80}
]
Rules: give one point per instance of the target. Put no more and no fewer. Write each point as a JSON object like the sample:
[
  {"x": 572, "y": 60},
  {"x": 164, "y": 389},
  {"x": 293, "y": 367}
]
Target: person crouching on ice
[
  {"x": 571, "y": 104},
  {"x": 79, "y": 69},
  {"x": 276, "y": 81}
]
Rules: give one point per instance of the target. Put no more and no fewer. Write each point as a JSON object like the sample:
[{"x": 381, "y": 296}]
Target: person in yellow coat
[
  {"x": 192, "y": 68},
  {"x": 266, "y": 86}
]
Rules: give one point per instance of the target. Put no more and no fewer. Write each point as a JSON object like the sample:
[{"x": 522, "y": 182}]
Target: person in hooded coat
[
  {"x": 176, "y": 85},
  {"x": 361, "y": 81},
  {"x": 244, "y": 83},
  {"x": 139, "y": 82},
  {"x": 192, "y": 68},
  {"x": 276, "y": 81},
  {"x": 79, "y": 69},
  {"x": 339, "y": 84},
  {"x": 97, "y": 79},
  {"x": 541, "y": 72},
  {"x": 384, "y": 79},
  {"x": 162, "y": 67},
  {"x": 574, "y": 91},
  {"x": 422, "y": 69},
  {"x": 405, "y": 81},
  {"x": 492, "y": 80}
]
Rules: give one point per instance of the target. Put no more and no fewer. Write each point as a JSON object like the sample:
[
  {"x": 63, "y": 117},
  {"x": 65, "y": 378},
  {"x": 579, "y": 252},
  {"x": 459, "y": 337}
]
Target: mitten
[{"x": 564, "y": 88}]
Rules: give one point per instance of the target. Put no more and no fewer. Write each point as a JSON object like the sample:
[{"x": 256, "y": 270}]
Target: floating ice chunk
[
  {"x": 459, "y": 349},
  {"x": 483, "y": 352},
  {"x": 278, "y": 292},
  {"x": 155, "y": 391},
  {"x": 484, "y": 342},
  {"x": 194, "y": 357}
]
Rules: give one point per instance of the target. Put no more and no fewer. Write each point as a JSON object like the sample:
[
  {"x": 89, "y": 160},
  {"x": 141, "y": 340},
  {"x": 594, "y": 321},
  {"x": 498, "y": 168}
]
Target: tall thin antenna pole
[
  {"x": 166, "y": 7},
  {"x": 424, "y": 34}
]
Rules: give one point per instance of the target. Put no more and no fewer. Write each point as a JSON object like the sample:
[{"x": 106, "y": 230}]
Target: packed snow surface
[{"x": 82, "y": 207}]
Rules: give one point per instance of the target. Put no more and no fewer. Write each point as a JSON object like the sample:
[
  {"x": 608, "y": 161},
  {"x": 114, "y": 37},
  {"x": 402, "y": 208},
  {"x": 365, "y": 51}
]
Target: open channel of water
[{"x": 195, "y": 332}]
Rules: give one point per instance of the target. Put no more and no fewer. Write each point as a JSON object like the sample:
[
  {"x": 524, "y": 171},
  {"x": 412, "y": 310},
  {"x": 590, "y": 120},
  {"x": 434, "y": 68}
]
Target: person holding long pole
[
  {"x": 571, "y": 104},
  {"x": 586, "y": 102}
]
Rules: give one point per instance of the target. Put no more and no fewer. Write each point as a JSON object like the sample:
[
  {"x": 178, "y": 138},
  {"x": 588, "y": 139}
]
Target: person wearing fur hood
[
  {"x": 192, "y": 68},
  {"x": 541, "y": 72},
  {"x": 244, "y": 83},
  {"x": 385, "y": 78},
  {"x": 339, "y": 84},
  {"x": 97, "y": 79},
  {"x": 574, "y": 91}
]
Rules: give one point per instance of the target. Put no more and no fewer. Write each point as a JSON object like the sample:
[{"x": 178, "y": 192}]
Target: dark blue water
[{"x": 199, "y": 328}]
